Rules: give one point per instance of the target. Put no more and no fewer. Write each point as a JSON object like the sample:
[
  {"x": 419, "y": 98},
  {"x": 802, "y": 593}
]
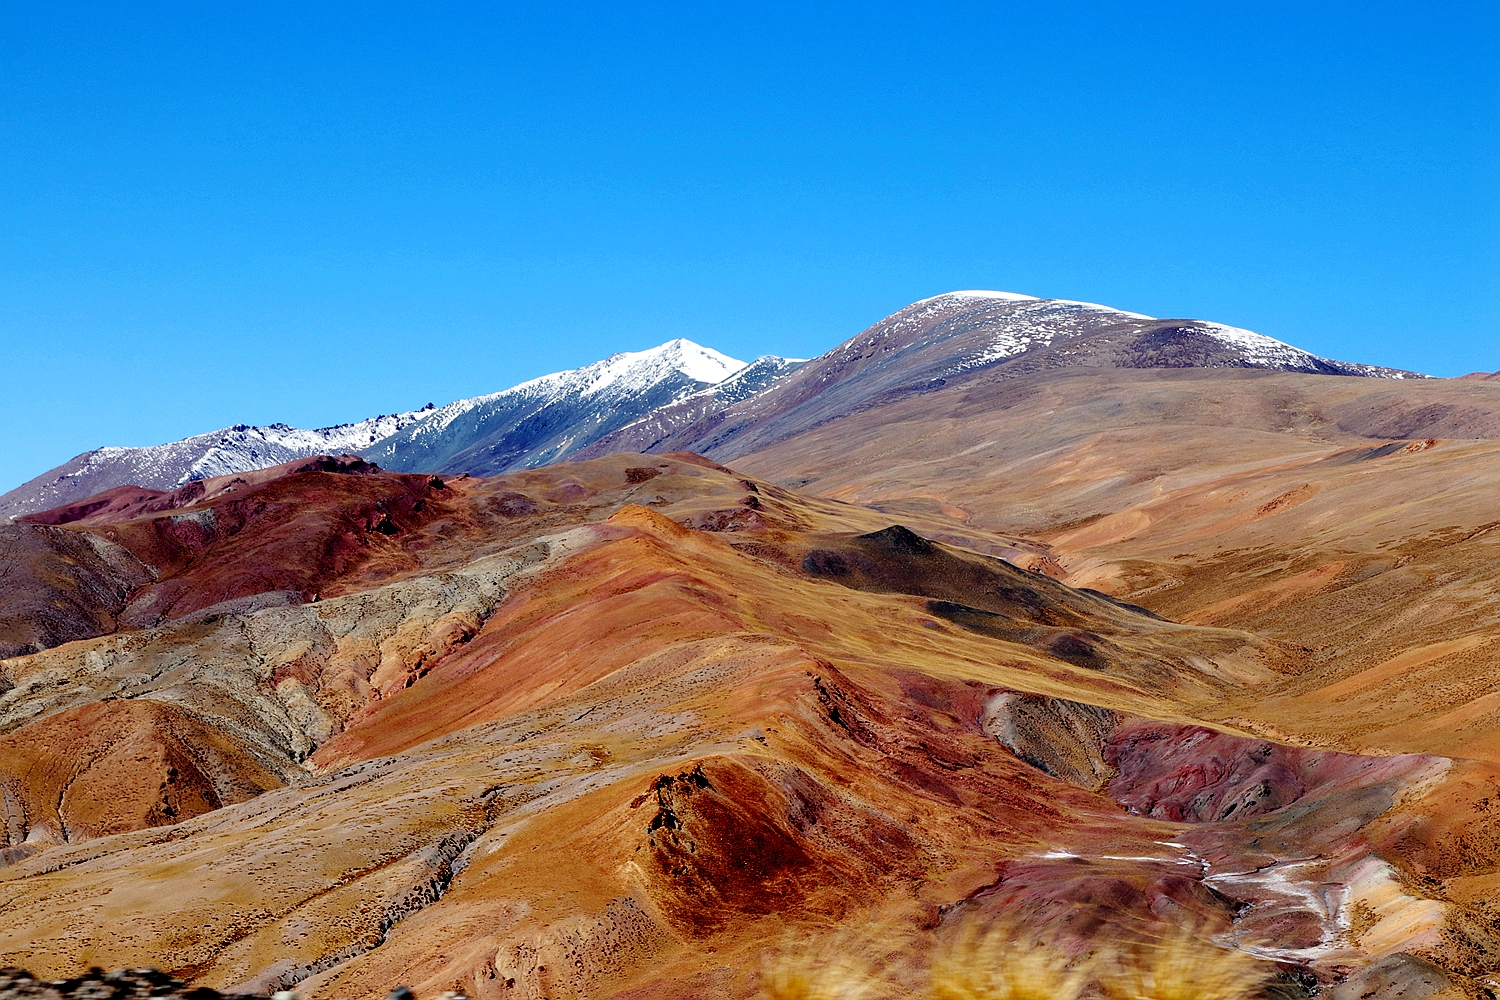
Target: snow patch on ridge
[
  {"x": 1036, "y": 324},
  {"x": 979, "y": 293},
  {"x": 237, "y": 451},
  {"x": 1257, "y": 347}
]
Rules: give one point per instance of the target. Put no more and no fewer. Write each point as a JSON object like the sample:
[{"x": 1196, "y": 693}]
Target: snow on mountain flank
[
  {"x": 1028, "y": 327},
  {"x": 1031, "y": 323},
  {"x": 1256, "y": 347},
  {"x": 237, "y": 451},
  {"x": 548, "y": 418},
  {"x": 626, "y": 372},
  {"x": 241, "y": 448}
]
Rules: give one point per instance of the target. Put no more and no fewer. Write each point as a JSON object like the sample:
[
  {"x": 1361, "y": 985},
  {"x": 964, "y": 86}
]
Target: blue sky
[{"x": 314, "y": 214}]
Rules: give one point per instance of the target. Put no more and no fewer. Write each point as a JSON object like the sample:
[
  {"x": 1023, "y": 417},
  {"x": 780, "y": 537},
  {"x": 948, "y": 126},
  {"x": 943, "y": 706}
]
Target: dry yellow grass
[
  {"x": 1003, "y": 964},
  {"x": 838, "y": 980},
  {"x": 847, "y": 967},
  {"x": 1183, "y": 966}
]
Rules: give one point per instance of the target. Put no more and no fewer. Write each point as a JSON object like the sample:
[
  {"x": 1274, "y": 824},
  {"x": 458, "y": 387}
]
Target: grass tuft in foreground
[{"x": 1006, "y": 962}]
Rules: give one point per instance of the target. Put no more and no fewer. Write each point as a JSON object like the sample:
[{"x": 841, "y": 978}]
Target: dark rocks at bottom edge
[
  {"x": 97, "y": 984},
  {"x": 123, "y": 984}
]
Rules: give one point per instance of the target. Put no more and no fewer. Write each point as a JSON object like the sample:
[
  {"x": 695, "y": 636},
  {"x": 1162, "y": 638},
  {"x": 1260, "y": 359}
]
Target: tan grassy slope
[{"x": 1273, "y": 502}]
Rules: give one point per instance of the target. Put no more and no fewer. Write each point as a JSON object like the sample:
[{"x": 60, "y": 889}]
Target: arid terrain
[{"x": 1093, "y": 655}]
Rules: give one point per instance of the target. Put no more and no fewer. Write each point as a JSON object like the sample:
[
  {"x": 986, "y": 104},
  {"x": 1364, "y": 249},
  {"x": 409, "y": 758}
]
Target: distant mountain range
[
  {"x": 536, "y": 422},
  {"x": 684, "y": 396},
  {"x": 240, "y": 448}
]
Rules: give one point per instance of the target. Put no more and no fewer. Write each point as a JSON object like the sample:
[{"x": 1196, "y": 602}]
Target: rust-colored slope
[
  {"x": 58, "y": 585},
  {"x": 293, "y": 530},
  {"x": 109, "y": 767},
  {"x": 126, "y": 503},
  {"x": 738, "y": 771},
  {"x": 302, "y": 533},
  {"x": 117, "y": 504},
  {"x": 610, "y": 606},
  {"x": 276, "y": 677}
]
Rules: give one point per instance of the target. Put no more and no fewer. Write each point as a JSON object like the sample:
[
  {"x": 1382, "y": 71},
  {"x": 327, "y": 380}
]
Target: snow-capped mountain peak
[
  {"x": 547, "y": 418},
  {"x": 634, "y": 370},
  {"x": 703, "y": 364},
  {"x": 619, "y": 374}
]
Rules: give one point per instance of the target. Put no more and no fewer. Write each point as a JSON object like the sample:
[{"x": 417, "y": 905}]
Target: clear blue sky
[{"x": 213, "y": 214}]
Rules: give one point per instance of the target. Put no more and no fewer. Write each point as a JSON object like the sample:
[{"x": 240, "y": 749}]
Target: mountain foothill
[{"x": 1017, "y": 620}]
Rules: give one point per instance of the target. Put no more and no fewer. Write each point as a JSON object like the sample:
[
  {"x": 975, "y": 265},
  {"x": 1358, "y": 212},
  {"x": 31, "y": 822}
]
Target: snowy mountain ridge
[
  {"x": 561, "y": 410},
  {"x": 626, "y": 371},
  {"x": 241, "y": 448},
  {"x": 547, "y": 418},
  {"x": 229, "y": 454}
]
